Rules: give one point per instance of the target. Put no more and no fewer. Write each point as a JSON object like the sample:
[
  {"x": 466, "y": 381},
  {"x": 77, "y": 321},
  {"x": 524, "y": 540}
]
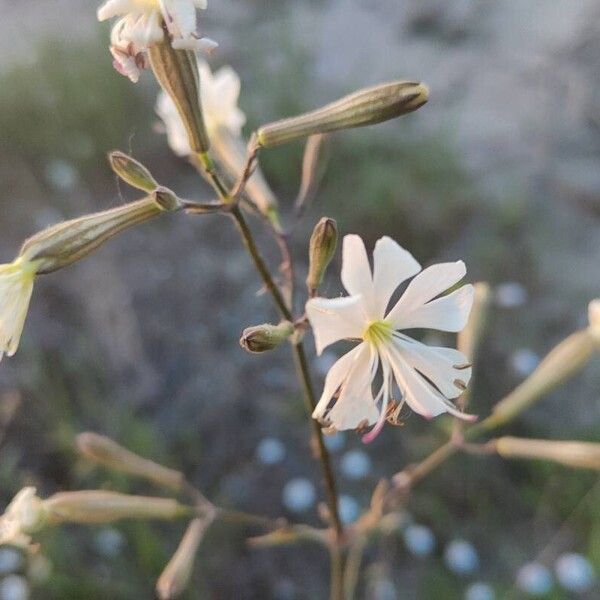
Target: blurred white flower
[
  {"x": 141, "y": 24},
  {"x": 534, "y": 579},
  {"x": 574, "y": 572},
  {"x": 219, "y": 93},
  {"x": 419, "y": 540},
  {"x": 461, "y": 557},
  {"x": 16, "y": 287},
  {"x": 14, "y": 587},
  {"x": 23, "y": 516},
  {"x": 427, "y": 377},
  {"x": 480, "y": 591},
  {"x": 299, "y": 495}
]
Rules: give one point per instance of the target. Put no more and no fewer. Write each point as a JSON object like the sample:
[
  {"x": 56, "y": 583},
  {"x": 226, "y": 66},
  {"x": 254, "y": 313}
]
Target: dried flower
[
  {"x": 23, "y": 516},
  {"x": 426, "y": 377},
  {"x": 142, "y": 23}
]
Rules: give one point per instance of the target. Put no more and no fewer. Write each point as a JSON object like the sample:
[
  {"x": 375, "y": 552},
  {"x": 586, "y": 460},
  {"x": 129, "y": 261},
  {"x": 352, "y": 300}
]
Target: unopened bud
[
  {"x": 564, "y": 361},
  {"x": 70, "y": 241},
  {"x": 177, "y": 73},
  {"x": 581, "y": 455},
  {"x": 175, "y": 579},
  {"x": 99, "y": 506},
  {"x": 106, "y": 452},
  {"x": 131, "y": 171},
  {"x": 323, "y": 243},
  {"x": 261, "y": 338},
  {"x": 364, "y": 107},
  {"x": 470, "y": 336}
]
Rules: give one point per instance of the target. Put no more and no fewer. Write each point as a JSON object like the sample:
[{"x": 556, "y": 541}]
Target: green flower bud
[
  {"x": 364, "y": 107},
  {"x": 132, "y": 172},
  {"x": 323, "y": 243},
  {"x": 177, "y": 73},
  {"x": 265, "y": 337}
]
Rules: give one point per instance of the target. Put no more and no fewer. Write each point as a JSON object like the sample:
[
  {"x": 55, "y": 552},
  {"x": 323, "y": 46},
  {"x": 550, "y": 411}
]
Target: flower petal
[
  {"x": 114, "y": 8},
  {"x": 335, "y": 319},
  {"x": 180, "y": 17},
  {"x": 356, "y": 271},
  {"x": 392, "y": 265},
  {"x": 449, "y": 313},
  {"x": 354, "y": 406},
  {"x": 421, "y": 396},
  {"x": 439, "y": 365},
  {"x": 425, "y": 286}
]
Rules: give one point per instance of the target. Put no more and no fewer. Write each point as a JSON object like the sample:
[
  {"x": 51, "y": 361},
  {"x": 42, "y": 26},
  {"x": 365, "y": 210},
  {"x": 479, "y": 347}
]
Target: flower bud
[
  {"x": 70, "y": 241},
  {"x": 470, "y": 336},
  {"x": 175, "y": 579},
  {"x": 564, "y": 361},
  {"x": 132, "y": 172},
  {"x": 106, "y": 452},
  {"x": 364, "y": 107},
  {"x": 265, "y": 337},
  {"x": 177, "y": 73},
  {"x": 581, "y": 455},
  {"x": 323, "y": 243},
  {"x": 99, "y": 506}
]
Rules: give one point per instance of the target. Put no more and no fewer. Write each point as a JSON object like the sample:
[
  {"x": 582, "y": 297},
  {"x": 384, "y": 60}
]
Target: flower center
[
  {"x": 378, "y": 332},
  {"x": 146, "y": 5}
]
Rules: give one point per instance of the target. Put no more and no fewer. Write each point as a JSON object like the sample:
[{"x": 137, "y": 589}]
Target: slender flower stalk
[{"x": 428, "y": 378}]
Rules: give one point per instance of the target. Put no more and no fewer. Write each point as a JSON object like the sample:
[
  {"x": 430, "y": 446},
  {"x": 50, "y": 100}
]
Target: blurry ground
[{"x": 139, "y": 341}]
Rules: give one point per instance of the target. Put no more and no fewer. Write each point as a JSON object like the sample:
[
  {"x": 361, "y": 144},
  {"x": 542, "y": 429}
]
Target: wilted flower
[
  {"x": 219, "y": 93},
  {"x": 16, "y": 286},
  {"x": 141, "y": 25},
  {"x": 23, "y": 516},
  {"x": 427, "y": 377}
]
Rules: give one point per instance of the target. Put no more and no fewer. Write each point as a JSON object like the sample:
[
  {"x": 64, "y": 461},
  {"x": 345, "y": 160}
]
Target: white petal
[
  {"x": 176, "y": 133},
  {"x": 338, "y": 373},
  {"x": 392, "y": 265},
  {"x": 356, "y": 272},
  {"x": 355, "y": 404},
  {"x": 438, "y": 365},
  {"x": 180, "y": 18},
  {"x": 425, "y": 286},
  {"x": 114, "y": 8},
  {"x": 335, "y": 319},
  {"x": 421, "y": 396},
  {"x": 449, "y": 313}
]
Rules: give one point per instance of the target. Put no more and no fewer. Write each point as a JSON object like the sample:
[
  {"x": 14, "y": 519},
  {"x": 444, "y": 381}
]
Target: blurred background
[{"x": 140, "y": 340}]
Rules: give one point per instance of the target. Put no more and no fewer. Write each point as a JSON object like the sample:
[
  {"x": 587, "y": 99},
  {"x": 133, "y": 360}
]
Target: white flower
[
  {"x": 23, "y": 516},
  {"x": 219, "y": 93},
  {"x": 427, "y": 377},
  {"x": 16, "y": 286},
  {"x": 141, "y": 25}
]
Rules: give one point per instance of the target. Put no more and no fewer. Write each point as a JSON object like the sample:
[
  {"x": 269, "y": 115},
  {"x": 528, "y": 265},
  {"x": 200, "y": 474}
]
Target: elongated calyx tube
[
  {"x": 104, "y": 451},
  {"x": 323, "y": 243},
  {"x": 564, "y": 361},
  {"x": 364, "y": 107},
  {"x": 581, "y": 455},
  {"x": 177, "y": 574},
  {"x": 70, "y": 241},
  {"x": 262, "y": 338},
  {"x": 177, "y": 73},
  {"x": 99, "y": 506},
  {"x": 132, "y": 171}
]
